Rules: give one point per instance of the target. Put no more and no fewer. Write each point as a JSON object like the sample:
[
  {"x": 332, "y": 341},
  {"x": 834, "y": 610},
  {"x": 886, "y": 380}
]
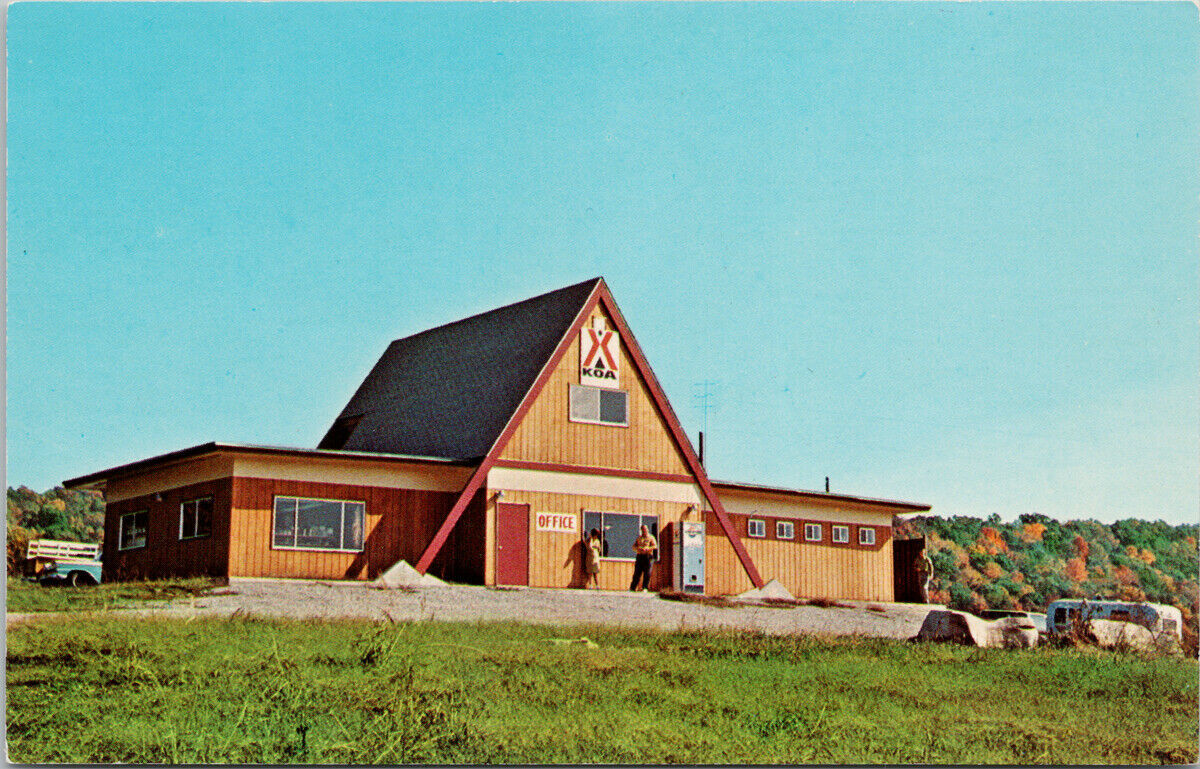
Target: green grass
[
  {"x": 251, "y": 691},
  {"x": 25, "y": 596}
]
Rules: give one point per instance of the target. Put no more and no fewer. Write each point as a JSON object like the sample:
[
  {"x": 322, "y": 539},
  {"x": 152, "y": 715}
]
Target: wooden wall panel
[
  {"x": 399, "y": 524},
  {"x": 556, "y": 558},
  {"x": 807, "y": 569},
  {"x": 165, "y": 555},
  {"x": 546, "y": 434}
]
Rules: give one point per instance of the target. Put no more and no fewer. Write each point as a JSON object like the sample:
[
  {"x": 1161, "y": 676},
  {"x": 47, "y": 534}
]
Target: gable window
[
  {"x": 866, "y": 535},
  {"x": 134, "y": 527},
  {"x": 812, "y": 532},
  {"x": 598, "y": 406},
  {"x": 756, "y": 528},
  {"x": 841, "y": 534},
  {"x": 618, "y": 532},
  {"x": 785, "y": 530},
  {"x": 195, "y": 518},
  {"x": 318, "y": 524}
]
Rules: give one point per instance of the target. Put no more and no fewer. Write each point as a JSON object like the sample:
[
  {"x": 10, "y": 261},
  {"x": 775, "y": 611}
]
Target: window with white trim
[
  {"x": 195, "y": 518},
  {"x": 756, "y": 528},
  {"x": 785, "y": 530},
  {"x": 134, "y": 528},
  {"x": 812, "y": 532},
  {"x": 318, "y": 524},
  {"x": 618, "y": 532},
  {"x": 866, "y": 535},
  {"x": 598, "y": 406},
  {"x": 841, "y": 534}
]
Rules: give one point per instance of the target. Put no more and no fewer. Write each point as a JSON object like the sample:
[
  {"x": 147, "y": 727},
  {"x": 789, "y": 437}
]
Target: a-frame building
[{"x": 483, "y": 450}]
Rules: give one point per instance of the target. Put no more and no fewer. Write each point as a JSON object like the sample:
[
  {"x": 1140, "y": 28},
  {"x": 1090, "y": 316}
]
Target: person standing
[
  {"x": 645, "y": 546},
  {"x": 924, "y": 574},
  {"x": 593, "y": 549}
]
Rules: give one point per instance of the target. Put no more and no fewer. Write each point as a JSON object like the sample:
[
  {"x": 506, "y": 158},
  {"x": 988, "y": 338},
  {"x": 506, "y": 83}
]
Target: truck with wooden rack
[{"x": 52, "y": 561}]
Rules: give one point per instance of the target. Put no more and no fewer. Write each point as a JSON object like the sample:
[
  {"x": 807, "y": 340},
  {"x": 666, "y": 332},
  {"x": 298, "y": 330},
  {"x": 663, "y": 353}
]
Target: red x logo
[{"x": 599, "y": 346}]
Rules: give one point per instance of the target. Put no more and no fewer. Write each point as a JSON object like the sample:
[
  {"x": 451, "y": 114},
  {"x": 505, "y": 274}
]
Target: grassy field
[
  {"x": 25, "y": 596},
  {"x": 249, "y": 691}
]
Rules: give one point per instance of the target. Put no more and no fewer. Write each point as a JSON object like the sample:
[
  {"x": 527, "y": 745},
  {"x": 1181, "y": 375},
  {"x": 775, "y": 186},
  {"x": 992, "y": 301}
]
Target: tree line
[
  {"x": 73, "y": 516},
  {"x": 1025, "y": 564},
  {"x": 978, "y": 563}
]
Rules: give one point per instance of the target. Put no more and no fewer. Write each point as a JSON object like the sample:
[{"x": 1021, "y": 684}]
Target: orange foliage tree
[
  {"x": 1125, "y": 575},
  {"x": 1081, "y": 547},
  {"x": 1076, "y": 570},
  {"x": 1032, "y": 532},
  {"x": 991, "y": 542}
]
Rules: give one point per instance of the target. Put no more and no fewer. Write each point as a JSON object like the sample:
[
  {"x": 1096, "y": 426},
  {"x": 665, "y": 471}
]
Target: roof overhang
[
  {"x": 98, "y": 479},
  {"x": 893, "y": 505}
]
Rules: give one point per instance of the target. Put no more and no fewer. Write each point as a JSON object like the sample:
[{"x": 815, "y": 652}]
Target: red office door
[{"x": 512, "y": 544}]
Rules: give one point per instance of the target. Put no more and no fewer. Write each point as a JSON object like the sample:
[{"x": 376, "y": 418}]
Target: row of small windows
[
  {"x": 195, "y": 521},
  {"x": 298, "y": 524},
  {"x": 813, "y": 532}
]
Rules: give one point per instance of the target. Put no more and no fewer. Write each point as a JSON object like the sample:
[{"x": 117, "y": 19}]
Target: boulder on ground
[
  {"x": 403, "y": 575},
  {"x": 772, "y": 589},
  {"x": 961, "y": 627},
  {"x": 1108, "y": 634}
]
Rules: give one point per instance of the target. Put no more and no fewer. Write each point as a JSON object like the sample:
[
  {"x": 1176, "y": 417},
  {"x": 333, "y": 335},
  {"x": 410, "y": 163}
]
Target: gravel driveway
[{"x": 467, "y": 603}]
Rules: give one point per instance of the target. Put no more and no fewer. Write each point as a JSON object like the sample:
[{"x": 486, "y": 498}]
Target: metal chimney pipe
[{"x": 827, "y": 484}]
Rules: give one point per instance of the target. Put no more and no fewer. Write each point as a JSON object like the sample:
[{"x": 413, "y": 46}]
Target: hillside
[
  {"x": 74, "y": 516},
  {"x": 980, "y": 564}
]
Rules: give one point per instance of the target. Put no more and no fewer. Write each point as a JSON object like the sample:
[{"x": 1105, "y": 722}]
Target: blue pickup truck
[{"x": 71, "y": 563}]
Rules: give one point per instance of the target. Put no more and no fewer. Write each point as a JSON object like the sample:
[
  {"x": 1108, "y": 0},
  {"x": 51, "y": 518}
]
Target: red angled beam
[
  {"x": 493, "y": 454},
  {"x": 681, "y": 439}
]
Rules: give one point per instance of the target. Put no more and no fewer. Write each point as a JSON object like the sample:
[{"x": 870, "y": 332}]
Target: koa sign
[
  {"x": 599, "y": 358},
  {"x": 557, "y": 522}
]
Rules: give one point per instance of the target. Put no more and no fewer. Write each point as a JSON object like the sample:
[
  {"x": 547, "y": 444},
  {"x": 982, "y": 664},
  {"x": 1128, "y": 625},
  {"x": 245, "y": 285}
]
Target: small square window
[
  {"x": 785, "y": 530},
  {"x": 812, "y": 532},
  {"x": 866, "y": 535},
  {"x": 594, "y": 405},
  {"x": 134, "y": 527},
  {"x": 195, "y": 518},
  {"x": 841, "y": 534},
  {"x": 757, "y": 528}
]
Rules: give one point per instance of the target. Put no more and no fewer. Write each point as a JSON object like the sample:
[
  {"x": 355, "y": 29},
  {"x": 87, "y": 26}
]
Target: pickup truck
[{"x": 56, "y": 562}]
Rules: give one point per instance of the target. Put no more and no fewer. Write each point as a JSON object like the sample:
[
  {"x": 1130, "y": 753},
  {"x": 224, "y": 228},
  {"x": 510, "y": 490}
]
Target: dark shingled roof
[{"x": 449, "y": 391}]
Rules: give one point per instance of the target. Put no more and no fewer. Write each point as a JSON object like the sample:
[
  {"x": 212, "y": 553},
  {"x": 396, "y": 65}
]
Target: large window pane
[
  {"x": 318, "y": 524},
  {"x": 621, "y": 532},
  {"x": 204, "y": 512},
  {"x": 352, "y": 526},
  {"x": 285, "y": 522}
]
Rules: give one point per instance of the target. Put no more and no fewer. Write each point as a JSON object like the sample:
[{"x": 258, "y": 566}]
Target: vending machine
[{"x": 688, "y": 552}]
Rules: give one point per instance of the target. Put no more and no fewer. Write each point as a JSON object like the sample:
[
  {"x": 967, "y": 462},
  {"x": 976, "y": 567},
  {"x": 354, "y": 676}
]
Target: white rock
[
  {"x": 403, "y": 575},
  {"x": 772, "y": 589}
]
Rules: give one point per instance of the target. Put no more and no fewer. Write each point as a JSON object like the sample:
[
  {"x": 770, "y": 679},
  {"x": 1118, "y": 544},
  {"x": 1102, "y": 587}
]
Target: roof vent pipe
[
  {"x": 702, "y": 448},
  {"x": 827, "y": 484}
]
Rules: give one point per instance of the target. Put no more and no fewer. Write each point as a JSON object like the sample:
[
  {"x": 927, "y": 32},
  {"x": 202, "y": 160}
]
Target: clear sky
[{"x": 946, "y": 253}]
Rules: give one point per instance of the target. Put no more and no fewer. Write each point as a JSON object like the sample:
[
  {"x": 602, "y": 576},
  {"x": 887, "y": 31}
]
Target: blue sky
[{"x": 945, "y": 253}]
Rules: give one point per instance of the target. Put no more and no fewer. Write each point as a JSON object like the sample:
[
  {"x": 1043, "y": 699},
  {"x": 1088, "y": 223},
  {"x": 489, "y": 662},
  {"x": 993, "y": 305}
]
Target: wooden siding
[
  {"x": 399, "y": 524},
  {"x": 546, "y": 435},
  {"x": 556, "y": 558},
  {"x": 807, "y": 569},
  {"x": 165, "y": 555}
]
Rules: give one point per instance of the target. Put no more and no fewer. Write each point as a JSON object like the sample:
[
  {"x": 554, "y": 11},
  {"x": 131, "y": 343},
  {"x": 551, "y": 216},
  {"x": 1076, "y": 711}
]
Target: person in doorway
[
  {"x": 924, "y": 574},
  {"x": 593, "y": 548},
  {"x": 645, "y": 546}
]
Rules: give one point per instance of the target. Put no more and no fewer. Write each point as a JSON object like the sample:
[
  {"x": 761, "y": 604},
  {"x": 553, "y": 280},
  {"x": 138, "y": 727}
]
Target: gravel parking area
[{"x": 298, "y": 599}]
